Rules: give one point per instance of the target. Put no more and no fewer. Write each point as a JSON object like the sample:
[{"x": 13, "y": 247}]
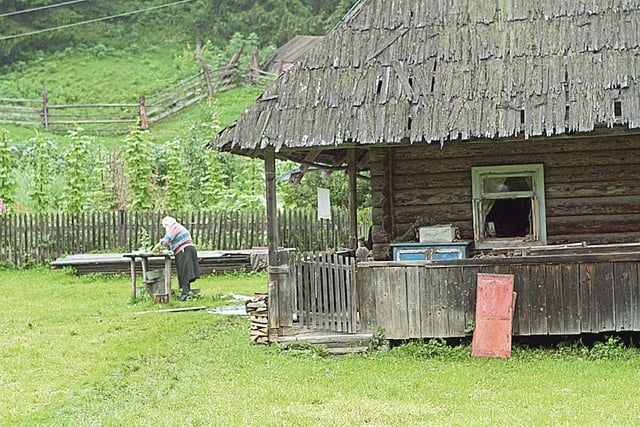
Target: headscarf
[{"x": 168, "y": 221}]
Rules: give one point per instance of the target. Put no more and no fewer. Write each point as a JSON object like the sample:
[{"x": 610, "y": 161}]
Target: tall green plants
[
  {"x": 177, "y": 177},
  {"x": 77, "y": 171},
  {"x": 43, "y": 167},
  {"x": 138, "y": 169},
  {"x": 7, "y": 178}
]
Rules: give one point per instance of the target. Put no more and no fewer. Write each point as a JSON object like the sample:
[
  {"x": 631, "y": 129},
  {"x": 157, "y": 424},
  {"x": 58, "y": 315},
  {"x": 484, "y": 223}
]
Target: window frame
[{"x": 537, "y": 195}]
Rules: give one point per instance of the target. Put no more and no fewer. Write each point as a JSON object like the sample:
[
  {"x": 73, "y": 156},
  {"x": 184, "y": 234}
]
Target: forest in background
[
  {"x": 117, "y": 60},
  {"x": 152, "y": 22}
]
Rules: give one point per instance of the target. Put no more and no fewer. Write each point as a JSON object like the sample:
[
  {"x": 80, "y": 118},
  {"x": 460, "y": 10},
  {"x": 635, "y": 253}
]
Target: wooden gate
[{"x": 325, "y": 292}]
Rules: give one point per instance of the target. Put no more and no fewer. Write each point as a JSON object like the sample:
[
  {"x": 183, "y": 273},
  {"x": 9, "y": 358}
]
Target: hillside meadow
[{"x": 79, "y": 351}]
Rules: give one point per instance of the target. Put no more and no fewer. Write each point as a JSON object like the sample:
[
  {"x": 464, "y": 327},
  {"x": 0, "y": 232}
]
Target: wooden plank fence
[
  {"x": 556, "y": 294},
  {"x": 325, "y": 295},
  {"x": 39, "y": 237}
]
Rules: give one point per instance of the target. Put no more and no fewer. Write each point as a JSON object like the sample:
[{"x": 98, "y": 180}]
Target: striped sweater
[{"x": 177, "y": 238}]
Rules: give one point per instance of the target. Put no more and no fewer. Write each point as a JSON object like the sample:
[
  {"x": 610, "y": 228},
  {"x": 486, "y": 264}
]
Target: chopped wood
[{"x": 257, "y": 309}]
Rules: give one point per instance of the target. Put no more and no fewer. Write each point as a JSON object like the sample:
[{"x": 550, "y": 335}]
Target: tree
[{"x": 300, "y": 195}]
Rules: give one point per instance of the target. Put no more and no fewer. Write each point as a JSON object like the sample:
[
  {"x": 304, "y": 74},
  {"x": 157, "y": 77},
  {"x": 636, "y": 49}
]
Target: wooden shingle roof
[
  {"x": 411, "y": 71},
  {"x": 290, "y": 52}
]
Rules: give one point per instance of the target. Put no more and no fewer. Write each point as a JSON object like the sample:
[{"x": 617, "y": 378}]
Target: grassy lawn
[{"x": 77, "y": 351}]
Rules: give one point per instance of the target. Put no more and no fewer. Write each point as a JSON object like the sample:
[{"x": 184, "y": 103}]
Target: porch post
[
  {"x": 273, "y": 270},
  {"x": 272, "y": 209},
  {"x": 280, "y": 287},
  {"x": 353, "y": 198}
]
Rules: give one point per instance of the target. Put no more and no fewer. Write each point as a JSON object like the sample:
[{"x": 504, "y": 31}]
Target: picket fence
[{"x": 40, "y": 237}]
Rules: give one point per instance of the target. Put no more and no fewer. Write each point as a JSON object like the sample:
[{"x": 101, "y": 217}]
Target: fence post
[
  {"x": 144, "y": 120},
  {"x": 45, "y": 105},
  {"x": 207, "y": 77},
  {"x": 255, "y": 66},
  {"x": 122, "y": 222}
]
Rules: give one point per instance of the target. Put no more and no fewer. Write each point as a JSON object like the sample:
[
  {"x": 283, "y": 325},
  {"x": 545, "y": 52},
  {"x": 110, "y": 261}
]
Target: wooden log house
[{"x": 517, "y": 122}]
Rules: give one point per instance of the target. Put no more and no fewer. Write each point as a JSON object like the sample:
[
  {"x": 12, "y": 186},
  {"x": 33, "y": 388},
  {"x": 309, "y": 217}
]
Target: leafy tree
[
  {"x": 139, "y": 170},
  {"x": 304, "y": 194},
  {"x": 7, "y": 179}
]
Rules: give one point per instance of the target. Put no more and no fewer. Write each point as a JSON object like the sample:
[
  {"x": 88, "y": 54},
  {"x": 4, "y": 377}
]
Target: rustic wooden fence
[
  {"x": 119, "y": 118},
  {"x": 325, "y": 294},
  {"x": 576, "y": 293},
  {"x": 40, "y": 237}
]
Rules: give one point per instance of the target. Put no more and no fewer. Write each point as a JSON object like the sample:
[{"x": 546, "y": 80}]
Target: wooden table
[{"x": 143, "y": 257}]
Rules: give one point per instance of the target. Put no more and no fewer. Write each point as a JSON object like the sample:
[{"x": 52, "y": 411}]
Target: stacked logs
[{"x": 257, "y": 309}]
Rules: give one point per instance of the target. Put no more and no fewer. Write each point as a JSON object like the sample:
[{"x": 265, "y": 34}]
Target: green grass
[
  {"x": 104, "y": 75},
  {"x": 77, "y": 351},
  {"x": 100, "y": 74}
]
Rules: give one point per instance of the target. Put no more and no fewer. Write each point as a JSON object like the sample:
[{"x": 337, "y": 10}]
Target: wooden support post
[
  {"x": 144, "y": 120},
  {"x": 272, "y": 209},
  {"x": 167, "y": 275},
  {"x": 207, "y": 77},
  {"x": 45, "y": 106},
  {"x": 133, "y": 278},
  {"x": 272, "y": 238},
  {"x": 353, "y": 198},
  {"x": 254, "y": 67}
]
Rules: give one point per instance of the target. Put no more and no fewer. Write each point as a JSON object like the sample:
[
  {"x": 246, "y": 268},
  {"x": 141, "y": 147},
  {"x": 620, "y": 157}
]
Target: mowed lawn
[{"x": 76, "y": 351}]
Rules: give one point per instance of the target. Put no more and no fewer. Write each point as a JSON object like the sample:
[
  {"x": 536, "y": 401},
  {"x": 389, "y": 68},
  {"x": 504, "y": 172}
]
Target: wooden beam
[
  {"x": 272, "y": 209},
  {"x": 353, "y": 198},
  {"x": 272, "y": 240}
]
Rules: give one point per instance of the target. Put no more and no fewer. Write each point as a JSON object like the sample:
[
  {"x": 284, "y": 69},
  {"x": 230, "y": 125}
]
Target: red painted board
[{"x": 494, "y": 316}]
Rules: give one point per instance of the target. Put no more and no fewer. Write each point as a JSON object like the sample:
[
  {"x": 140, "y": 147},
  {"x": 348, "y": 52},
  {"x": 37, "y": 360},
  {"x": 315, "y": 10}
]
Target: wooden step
[{"x": 334, "y": 343}]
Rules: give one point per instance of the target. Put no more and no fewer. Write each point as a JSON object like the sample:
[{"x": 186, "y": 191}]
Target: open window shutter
[
  {"x": 535, "y": 220},
  {"x": 478, "y": 220}
]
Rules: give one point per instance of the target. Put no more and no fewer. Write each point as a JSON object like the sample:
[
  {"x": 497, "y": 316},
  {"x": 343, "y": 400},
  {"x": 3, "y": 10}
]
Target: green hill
[{"x": 116, "y": 64}]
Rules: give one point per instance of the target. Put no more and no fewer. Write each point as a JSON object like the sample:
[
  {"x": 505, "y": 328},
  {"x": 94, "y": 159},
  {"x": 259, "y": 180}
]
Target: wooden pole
[
  {"x": 272, "y": 240},
  {"x": 272, "y": 209},
  {"x": 353, "y": 198},
  {"x": 255, "y": 66},
  {"x": 207, "y": 77},
  {"x": 45, "y": 105},
  {"x": 144, "y": 120}
]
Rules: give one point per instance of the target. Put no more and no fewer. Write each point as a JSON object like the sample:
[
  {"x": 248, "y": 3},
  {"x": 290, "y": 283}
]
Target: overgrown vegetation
[
  {"x": 116, "y": 61},
  {"x": 77, "y": 351}
]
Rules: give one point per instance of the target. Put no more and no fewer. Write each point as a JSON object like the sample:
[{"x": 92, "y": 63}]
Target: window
[{"x": 508, "y": 206}]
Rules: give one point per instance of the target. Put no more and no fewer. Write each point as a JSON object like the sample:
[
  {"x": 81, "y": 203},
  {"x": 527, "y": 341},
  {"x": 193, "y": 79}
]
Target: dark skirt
[{"x": 187, "y": 266}]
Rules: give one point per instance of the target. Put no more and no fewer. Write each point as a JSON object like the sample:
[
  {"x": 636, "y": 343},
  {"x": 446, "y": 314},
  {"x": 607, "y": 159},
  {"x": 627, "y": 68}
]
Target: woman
[{"x": 178, "y": 240}]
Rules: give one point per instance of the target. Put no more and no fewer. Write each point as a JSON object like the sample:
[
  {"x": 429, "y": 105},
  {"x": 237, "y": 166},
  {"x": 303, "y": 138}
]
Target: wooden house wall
[
  {"x": 592, "y": 186},
  {"x": 556, "y": 295}
]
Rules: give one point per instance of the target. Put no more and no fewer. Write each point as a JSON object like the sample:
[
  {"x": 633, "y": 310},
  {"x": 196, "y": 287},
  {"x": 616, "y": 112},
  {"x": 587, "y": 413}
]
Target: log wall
[
  {"x": 592, "y": 186},
  {"x": 556, "y": 295}
]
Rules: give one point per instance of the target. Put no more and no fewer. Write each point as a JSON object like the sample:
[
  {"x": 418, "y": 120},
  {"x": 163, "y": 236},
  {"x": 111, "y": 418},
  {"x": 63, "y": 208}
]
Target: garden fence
[
  {"x": 121, "y": 117},
  {"x": 40, "y": 237}
]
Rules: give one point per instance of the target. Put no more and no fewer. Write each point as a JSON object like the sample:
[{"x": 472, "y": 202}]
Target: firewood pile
[{"x": 257, "y": 309}]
